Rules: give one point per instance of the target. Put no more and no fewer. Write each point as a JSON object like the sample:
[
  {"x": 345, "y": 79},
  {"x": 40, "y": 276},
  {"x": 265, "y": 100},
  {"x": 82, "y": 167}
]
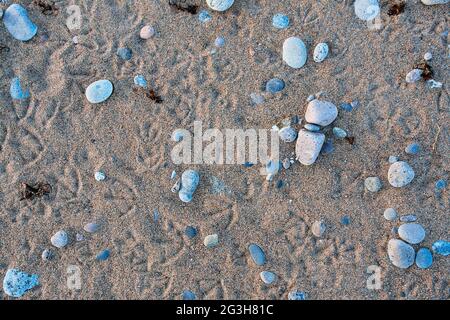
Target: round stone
[
  {"x": 190, "y": 232},
  {"x": 428, "y": 56},
  {"x": 320, "y": 112},
  {"x": 280, "y": 21},
  {"x": 275, "y": 85},
  {"x": 18, "y": 23},
  {"x": 91, "y": 227},
  {"x": 413, "y": 233},
  {"x": 440, "y": 184},
  {"x": 308, "y": 146},
  {"x": 320, "y": 52},
  {"x": 100, "y": 176},
  {"x": 318, "y": 228},
  {"x": 140, "y": 80},
  {"x": 204, "y": 16},
  {"x": 400, "y": 174},
  {"x": 147, "y": 32},
  {"x": 400, "y": 253},
  {"x": 288, "y": 134},
  {"x": 211, "y": 240},
  {"x": 390, "y": 214},
  {"x": 367, "y": 9},
  {"x": 257, "y": 254},
  {"x": 373, "y": 184},
  {"x": 267, "y": 277},
  {"x": 413, "y": 148},
  {"x": 99, "y": 91},
  {"x": 294, "y": 52},
  {"x": 220, "y": 5},
  {"x": 60, "y": 239},
  {"x": 16, "y": 282},
  {"x": 345, "y": 220},
  {"x": 424, "y": 258},
  {"x": 124, "y": 53}
]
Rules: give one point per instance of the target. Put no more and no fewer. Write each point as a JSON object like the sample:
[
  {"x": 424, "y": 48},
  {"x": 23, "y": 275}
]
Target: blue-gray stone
[
  {"x": 267, "y": 277},
  {"x": 60, "y": 239},
  {"x": 47, "y": 255},
  {"x": 16, "y": 90},
  {"x": 99, "y": 91},
  {"x": 219, "y": 42},
  {"x": 294, "y": 52},
  {"x": 91, "y": 227},
  {"x": 257, "y": 254},
  {"x": 204, "y": 16},
  {"x": 339, "y": 133},
  {"x": 99, "y": 176},
  {"x": 413, "y": 148},
  {"x": 17, "y": 282},
  {"x": 392, "y": 159},
  {"x": 220, "y": 5},
  {"x": 320, "y": 52},
  {"x": 275, "y": 85},
  {"x": 124, "y": 53},
  {"x": 257, "y": 98},
  {"x": 441, "y": 247},
  {"x": 413, "y": 233},
  {"x": 190, "y": 232},
  {"x": 440, "y": 184},
  {"x": 400, "y": 174},
  {"x": 400, "y": 253},
  {"x": 140, "y": 81},
  {"x": 280, "y": 21},
  {"x": 18, "y": 23},
  {"x": 345, "y": 220},
  {"x": 103, "y": 255},
  {"x": 346, "y": 107},
  {"x": 312, "y": 127},
  {"x": 367, "y": 9},
  {"x": 297, "y": 295},
  {"x": 189, "y": 183},
  {"x": 188, "y": 295},
  {"x": 327, "y": 147},
  {"x": 408, "y": 218},
  {"x": 424, "y": 258},
  {"x": 390, "y": 214},
  {"x": 288, "y": 134}
]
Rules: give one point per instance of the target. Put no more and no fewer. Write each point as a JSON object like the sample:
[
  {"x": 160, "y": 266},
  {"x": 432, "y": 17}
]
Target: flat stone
[
  {"x": 211, "y": 240},
  {"x": 99, "y": 91},
  {"x": 414, "y": 76},
  {"x": 339, "y": 133},
  {"x": 16, "y": 282},
  {"x": 320, "y": 52},
  {"x": 433, "y": 2},
  {"x": 99, "y": 176},
  {"x": 424, "y": 258},
  {"x": 18, "y": 23},
  {"x": 220, "y": 5},
  {"x": 190, "y": 232},
  {"x": 308, "y": 146},
  {"x": 413, "y": 233},
  {"x": 390, "y": 214},
  {"x": 441, "y": 247},
  {"x": 267, "y": 277},
  {"x": 367, "y": 9},
  {"x": 257, "y": 254},
  {"x": 400, "y": 174},
  {"x": 60, "y": 239},
  {"x": 297, "y": 295},
  {"x": 312, "y": 127},
  {"x": 294, "y": 52},
  {"x": 408, "y": 218},
  {"x": 124, "y": 53},
  {"x": 320, "y": 112},
  {"x": 140, "y": 81},
  {"x": 413, "y": 148},
  {"x": 400, "y": 253}
]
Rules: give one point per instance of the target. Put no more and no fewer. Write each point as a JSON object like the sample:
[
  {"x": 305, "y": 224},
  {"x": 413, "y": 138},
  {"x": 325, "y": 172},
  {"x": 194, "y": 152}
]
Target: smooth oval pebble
[
  {"x": 297, "y": 295},
  {"x": 18, "y": 23},
  {"x": 308, "y": 146},
  {"x": 16, "y": 91},
  {"x": 413, "y": 148},
  {"x": 320, "y": 112},
  {"x": 220, "y": 5},
  {"x": 390, "y": 214},
  {"x": 189, "y": 183},
  {"x": 318, "y": 228},
  {"x": 312, "y": 127},
  {"x": 147, "y": 32},
  {"x": 328, "y": 147},
  {"x": 339, "y": 133},
  {"x": 288, "y": 134},
  {"x": 257, "y": 254},
  {"x": 91, "y": 227},
  {"x": 60, "y": 239},
  {"x": 211, "y": 240},
  {"x": 414, "y": 75},
  {"x": 275, "y": 85},
  {"x": 16, "y": 282},
  {"x": 441, "y": 247},
  {"x": 204, "y": 16},
  {"x": 433, "y": 2},
  {"x": 280, "y": 21},
  {"x": 99, "y": 91},
  {"x": 400, "y": 174},
  {"x": 294, "y": 52},
  {"x": 367, "y": 9},
  {"x": 188, "y": 295},
  {"x": 424, "y": 258},
  {"x": 103, "y": 255},
  {"x": 373, "y": 184},
  {"x": 400, "y": 253},
  {"x": 440, "y": 184},
  {"x": 412, "y": 233},
  {"x": 320, "y": 52},
  {"x": 219, "y": 42},
  {"x": 267, "y": 277}
]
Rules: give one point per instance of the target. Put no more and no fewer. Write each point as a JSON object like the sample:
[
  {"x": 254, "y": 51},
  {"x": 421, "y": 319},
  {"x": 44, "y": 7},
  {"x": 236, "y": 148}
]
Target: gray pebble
[
  {"x": 286, "y": 163},
  {"x": 91, "y": 227},
  {"x": 288, "y": 134},
  {"x": 257, "y": 254},
  {"x": 413, "y": 233},
  {"x": 312, "y": 127},
  {"x": 408, "y": 218},
  {"x": 211, "y": 240},
  {"x": 339, "y": 133},
  {"x": 414, "y": 75},
  {"x": 400, "y": 174},
  {"x": 390, "y": 214},
  {"x": 308, "y": 146},
  {"x": 47, "y": 255},
  {"x": 400, "y": 253},
  {"x": 320, "y": 112},
  {"x": 297, "y": 295},
  {"x": 392, "y": 159},
  {"x": 267, "y": 277},
  {"x": 60, "y": 239},
  {"x": 373, "y": 184}
]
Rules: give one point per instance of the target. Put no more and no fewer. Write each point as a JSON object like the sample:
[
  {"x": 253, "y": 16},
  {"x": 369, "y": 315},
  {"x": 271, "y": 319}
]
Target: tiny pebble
[
  {"x": 75, "y": 40},
  {"x": 414, "y": 75},
  {"x": 424, "y": 258},
  {"x": 16, "y": 91},
  {"x": 297, "y": 295},
  {"x": 428, "y": 56},
  {"x": 79, "y": 237},
  {"x": 257, "y": 254},
  {"x": 248, "y": 164},
  {"x": 440, "y": 184},
  {"x": 408, "y": 218},
  {"x": 103, "y": 255},
  {"x": 312, "y": 127},
  {"x": 257, "y": 98},
  {"x": 124, "y": 53},
  {"x": 190, "y": 232},
  {"x": 400, "y": 174},
  {"x": 288, "y": 134},
  {"x": 204, "y": 16},
  {"x": 99, "y": 91},
  {"x": 286, "y": 163},
  {"x": 60, "y": 239},
  {"x": 188, "y": 295},
  {"x": 280, "y": 21},
  {"x": 147, "y": 32},
  {"x": 345, "y": 220},
  {"x": 267, "y": 277},
  {"x": 100, "y": 176},
  {"x": 392, "y": 159},
  {"x": 390, "y": 214},
  {"x": 373, "y": 184},
  {"x": 320, "y": 52},
  {"x": 346, "y": 106},
  {"x": 433, "y": 84},
  {"x": 211, "y": 240},
  {"x": 275, "y": 85},
  {"x": 140, "y": 80},
  {"x": 318, "y": 228},
  {"x": 219, "y": 42},
  {"x": 339, "y": 133},
  {"x": 47, "y": 255},
  {"x": 413, "y": 148},
  {"x": 91, "y": 227}
]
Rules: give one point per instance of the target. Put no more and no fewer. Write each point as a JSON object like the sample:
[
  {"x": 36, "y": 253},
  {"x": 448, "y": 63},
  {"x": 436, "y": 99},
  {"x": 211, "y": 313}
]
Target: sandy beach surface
[{"x": 56, "y": 137}]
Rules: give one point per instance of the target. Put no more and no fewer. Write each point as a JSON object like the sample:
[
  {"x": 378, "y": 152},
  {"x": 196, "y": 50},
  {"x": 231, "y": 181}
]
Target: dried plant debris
[
  {"x": 151, "y": 94},
  {"x": 39, "y": 190},
  {"x": 396, "y": 8},
  {"x": 47, "y": 7},
  {"x": 182, "y": 6},
  {"x": 427, "y": 73},
  {"x": 350, "y": 140}
]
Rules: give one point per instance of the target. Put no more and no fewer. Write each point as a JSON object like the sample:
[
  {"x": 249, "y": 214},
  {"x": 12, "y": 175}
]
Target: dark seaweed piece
[
  {"x": 427, "y": 73},
  {"x": 192, "y": 9},
  {"x": 350, "y": 140},
  {"x": 29, "y": 192},
  {"x": 152, "y": 95},
  {"x": 396, "y": 8},
  {"x": 47, "y": 8}
]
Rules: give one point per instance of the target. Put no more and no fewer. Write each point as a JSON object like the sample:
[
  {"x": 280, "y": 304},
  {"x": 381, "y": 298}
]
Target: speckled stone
[
  {"x": 320, "y": 52},
  {"x": 190, "y": 232},
  {"x": 400, "y": 174},
  {"x": 400, "y": 253},
  {"x": 147, "y": 32},
  {"x": 220, "y": 5},
  {"x": 373, "y": 184},
  {"x": 441, "y": 247},
  {"x": 308, "y": 146},
  {"x": 367, "y": 9},
  {"x": 280, "y": 21},
  {"x": 390, "y": 214},
  {"x": 16, "y": 282},
  {"x": 297, "y": 295},
  {"x": 408, "y": 218},
  {"x": 18, "y": 24},
  {"x": 47, "y": 255},
  {"x": 287, "y": 134}
]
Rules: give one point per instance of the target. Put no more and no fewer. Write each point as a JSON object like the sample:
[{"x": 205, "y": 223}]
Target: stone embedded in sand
[
  {"x": 318, "y": 228},
  {"x": 308, "y": 146},
  {"x": 189, "y": 183},
  {"x": 16, "y": 91},
  {"x": 294, "y": 52},
  {"x": 99, "y": 91},
  {"x": 257, "y": 254},
  {"x": 267, "y": 277},
  {"x": 320, "y": 52},
  {"x": 18, "y": 23},
  {"x": 441, "y": 247},
  {"x": 424, "y": 258},
  {"x": 60, "y": 239},
  {"x": 390, "y": 214},
  {"x": 288, "y": 134},
  {"x": 140, "y": 81},
  {"x": 17, "y": 282},
  {"x": 47, "y": 255},
  {"x": 414, "y": 75},
  {"x": 433, "y": 2},
  {"x": 99, "y": 176},
  {"x": 103, "y": 255},
  {"x": 408, "y": 218},
  {"x": 320, "y": 112},
  {"x": 188, "y": 295},
  {"x": 413, "y": 148},
  {"x": 211, "y": 240},
  {"x": 124, "y": 53},
  {"x": 297, "y": 295},
  {"x": 91, "y": 227},
  {"x": 367, "y": 9},
  {"x": 220, "y": 5},
  {"x": 275, "y": 85},
  {"x": 400, "y": 174},
  {"x": 428, "y": 56},
  {"x": 373, "y": 184},
  {"x": 204, "y": 16},
  {"x": 400, "y": 253},
  {"x": 147, "y": 32},
  {"x": 190, "y": 232},
  {"x": 412, "y": 233},
  {"x": 280, "y": 21}
]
